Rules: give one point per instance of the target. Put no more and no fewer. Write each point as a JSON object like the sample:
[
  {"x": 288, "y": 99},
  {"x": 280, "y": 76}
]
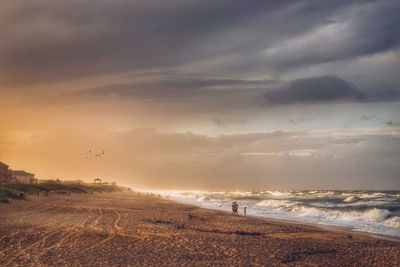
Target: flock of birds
[{"x": 92, "y": 154}]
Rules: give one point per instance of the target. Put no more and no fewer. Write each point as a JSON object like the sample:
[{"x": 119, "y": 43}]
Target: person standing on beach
[
  {"x": 235, "y": 207},
  {"x": 245, "y": 210}
]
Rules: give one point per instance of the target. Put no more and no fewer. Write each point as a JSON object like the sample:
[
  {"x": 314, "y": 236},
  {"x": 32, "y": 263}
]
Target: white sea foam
[
  {"x": 356, "y": 217},
  {"x": 371, "y": 195},
  {"x": 204, "y": 198},
  {"x": 351, "y": 204},
  {"x": 276, "y": 204},
  {"x": 350, "y": 199},
  {"x": 375, "y": 215},
  {"x": 363, "y": 211},
  {"x": 393, "y": 222},
  {"x": 278, "y": 193}
]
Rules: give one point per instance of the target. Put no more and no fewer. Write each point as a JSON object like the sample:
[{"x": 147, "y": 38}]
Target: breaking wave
[
  {"x": 350, "y": 199},
  {"x": 276, "y": 204},
  {"x": 367, "y": 211}
]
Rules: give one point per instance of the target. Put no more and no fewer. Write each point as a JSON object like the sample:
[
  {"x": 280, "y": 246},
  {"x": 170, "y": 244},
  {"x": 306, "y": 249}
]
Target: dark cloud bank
[
  {"x": 235, "y": 53},
  {"x": 326, "y": 89},
  {"x": 45, "y": 42},
  {"x": 308, "y": 90}
]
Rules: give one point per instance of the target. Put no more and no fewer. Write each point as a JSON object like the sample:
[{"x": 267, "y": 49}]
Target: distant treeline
[{"x": 12, "y": 191}]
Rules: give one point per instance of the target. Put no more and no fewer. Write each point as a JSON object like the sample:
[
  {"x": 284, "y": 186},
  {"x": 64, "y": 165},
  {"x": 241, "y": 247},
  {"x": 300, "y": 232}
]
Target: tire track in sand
[
  {"x": 97, "y": 220},
  {"x": 117, "y": 220},
  {"x": 71, "y": 233},
  {"x": 94, "y": 226},
  {"x": 23, "y": 251},
  {"x": 47, "y": 233}
]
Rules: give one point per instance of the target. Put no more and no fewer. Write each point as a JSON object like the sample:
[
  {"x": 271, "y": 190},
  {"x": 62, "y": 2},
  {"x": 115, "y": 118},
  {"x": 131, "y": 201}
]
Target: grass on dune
[{"x": 10, "y": 191}]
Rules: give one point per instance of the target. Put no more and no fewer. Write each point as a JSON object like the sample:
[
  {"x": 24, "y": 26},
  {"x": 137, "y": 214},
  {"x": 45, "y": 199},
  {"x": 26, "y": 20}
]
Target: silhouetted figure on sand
[
  {"x": 245, "y": 210},
  {"x": 235, "y": 207}
]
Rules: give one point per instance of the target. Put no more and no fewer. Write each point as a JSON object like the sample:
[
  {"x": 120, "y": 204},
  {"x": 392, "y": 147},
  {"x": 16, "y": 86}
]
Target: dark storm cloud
[
  {"x": 75, "y": 38},
  {"x": 182, "y": 95},
  {"x": 179, "y": 87},
  {"x": 235, "y": 93},
  {"x": 356, "y": 30},
  {"x": 317, "y": 89},
  {"x": 326, "y": 89},
  {"x": 43, "y": 41}
]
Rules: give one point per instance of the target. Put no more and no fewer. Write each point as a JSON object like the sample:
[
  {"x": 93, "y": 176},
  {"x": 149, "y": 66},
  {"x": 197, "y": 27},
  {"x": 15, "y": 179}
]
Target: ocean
[{"x": 376, "y": 212}]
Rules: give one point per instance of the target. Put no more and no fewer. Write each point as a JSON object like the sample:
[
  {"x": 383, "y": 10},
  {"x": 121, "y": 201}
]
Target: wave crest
[
  {"x": 276, "y": 204},
  {"x": 350, "y": 199}
]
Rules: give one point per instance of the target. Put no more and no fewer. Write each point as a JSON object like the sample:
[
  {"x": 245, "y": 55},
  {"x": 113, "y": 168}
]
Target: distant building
[
  {"x": 5, "y": 174},
  {"x": 23, "y": 177}
]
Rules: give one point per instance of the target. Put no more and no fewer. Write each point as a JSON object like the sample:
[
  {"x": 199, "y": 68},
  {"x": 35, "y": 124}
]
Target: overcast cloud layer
[{"x": 246, "y": 70}]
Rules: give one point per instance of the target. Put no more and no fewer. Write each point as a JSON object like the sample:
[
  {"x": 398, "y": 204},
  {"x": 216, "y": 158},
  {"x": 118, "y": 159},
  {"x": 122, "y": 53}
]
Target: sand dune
[{"x": 128, "y": 230}]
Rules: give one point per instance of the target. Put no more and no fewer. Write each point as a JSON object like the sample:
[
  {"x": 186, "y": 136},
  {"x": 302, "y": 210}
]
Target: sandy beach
[{"x": 112, "y": 229}]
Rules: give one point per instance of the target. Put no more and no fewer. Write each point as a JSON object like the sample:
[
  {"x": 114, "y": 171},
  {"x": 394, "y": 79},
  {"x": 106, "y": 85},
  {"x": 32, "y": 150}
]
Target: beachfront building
[
  {"x": 5, "y": 173},
  {"x": 23, "y": 177}
]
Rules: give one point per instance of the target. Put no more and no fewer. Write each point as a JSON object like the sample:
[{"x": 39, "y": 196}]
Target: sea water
[{"x": 375, "y": 212}]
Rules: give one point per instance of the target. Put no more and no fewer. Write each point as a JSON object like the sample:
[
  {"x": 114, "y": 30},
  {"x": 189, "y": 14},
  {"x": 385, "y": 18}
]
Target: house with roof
[
  {"x": 5, "y": 173},
  {"x": 24, "y": 177}
]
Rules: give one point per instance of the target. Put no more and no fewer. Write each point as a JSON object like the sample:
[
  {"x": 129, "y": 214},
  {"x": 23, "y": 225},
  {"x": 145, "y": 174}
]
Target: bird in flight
[{"x": 92, "y": 154}]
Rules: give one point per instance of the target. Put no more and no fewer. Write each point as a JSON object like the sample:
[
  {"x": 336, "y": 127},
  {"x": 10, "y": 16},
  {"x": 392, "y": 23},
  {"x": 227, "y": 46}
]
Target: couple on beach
[{"x": 235, "y": 207}]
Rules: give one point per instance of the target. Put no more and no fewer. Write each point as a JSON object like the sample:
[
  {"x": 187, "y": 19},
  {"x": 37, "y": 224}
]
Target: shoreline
[
  {"x": 327, "y": 227},
  {"x": 119, "y": 229}
]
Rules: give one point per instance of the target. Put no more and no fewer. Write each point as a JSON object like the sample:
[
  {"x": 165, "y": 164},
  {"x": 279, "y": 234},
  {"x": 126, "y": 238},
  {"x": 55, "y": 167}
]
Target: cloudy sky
[{"x": 205, "y": 94}]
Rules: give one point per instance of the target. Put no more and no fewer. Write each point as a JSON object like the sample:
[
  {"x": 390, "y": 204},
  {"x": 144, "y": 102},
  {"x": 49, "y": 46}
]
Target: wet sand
[{"x": 128, "y": 230}]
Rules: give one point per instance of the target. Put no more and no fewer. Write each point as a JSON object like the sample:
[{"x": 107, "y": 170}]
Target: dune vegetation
[{"x": 11, "y": 191}]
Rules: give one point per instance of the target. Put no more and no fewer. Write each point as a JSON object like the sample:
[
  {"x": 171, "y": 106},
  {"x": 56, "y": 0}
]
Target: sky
[{"x": 203, "y": 94}]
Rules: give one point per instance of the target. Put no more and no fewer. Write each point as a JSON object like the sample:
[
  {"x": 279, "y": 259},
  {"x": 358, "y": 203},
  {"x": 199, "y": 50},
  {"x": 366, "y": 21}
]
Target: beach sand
[{"x": 131, "y": 230}]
